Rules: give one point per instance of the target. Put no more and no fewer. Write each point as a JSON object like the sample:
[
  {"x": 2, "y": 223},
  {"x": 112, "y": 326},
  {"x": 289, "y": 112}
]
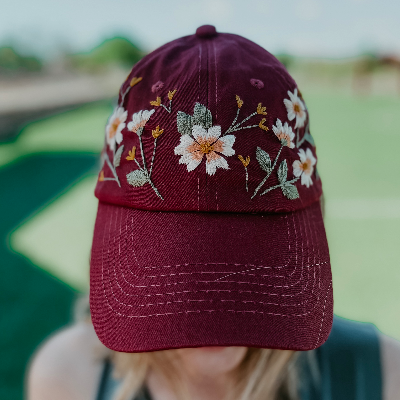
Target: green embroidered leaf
[
  {"x": 263, "y": 159},
  {"x": 282, "y": 172},
  {"x": 309, "y": 139},
  {"x": 202, "y": 116},
  {"x": 137, "y": 178},
  {"x": 117, "y": 156},
  {"x": 184, "y": 123},
  {"x": 290, "y": 191}
]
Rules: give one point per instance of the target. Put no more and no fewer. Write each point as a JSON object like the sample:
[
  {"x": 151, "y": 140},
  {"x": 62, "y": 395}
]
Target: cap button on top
[{"x": 206, "y": 31}]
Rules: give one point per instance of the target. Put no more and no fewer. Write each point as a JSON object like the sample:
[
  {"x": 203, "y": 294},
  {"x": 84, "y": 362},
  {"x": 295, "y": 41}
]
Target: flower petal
[
  {"x": 306, "y": 180},
  {"x": 183, "y": 146},
  {"x": 215, "y": 161},
  {"x": 310, "y": 156},
  {"x": 224, "y": 145},
  {"x": 214, "y": 133},
  {"x": 192, "y": 160},
  {"x": 199, "y": 133},
  {"x": 302, "y": 155},
  {"x": 297, "y": 168}
]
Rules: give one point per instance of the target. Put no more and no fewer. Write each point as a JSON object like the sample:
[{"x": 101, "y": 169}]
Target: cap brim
[{"x": 162, "y": 280}]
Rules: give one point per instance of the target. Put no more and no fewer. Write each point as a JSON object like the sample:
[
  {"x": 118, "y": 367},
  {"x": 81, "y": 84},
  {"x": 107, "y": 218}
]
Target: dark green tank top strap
[
  {"x": 348, "y": 364},
  {"x": 346, "y": 367}
]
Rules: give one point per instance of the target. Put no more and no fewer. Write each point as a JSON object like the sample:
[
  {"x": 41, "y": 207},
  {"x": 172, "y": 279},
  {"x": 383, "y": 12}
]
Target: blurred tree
[
  {"x": 117, "y": 51},
  {"x": 11, "y": 61},
  {"x": 286, "y": 59}
]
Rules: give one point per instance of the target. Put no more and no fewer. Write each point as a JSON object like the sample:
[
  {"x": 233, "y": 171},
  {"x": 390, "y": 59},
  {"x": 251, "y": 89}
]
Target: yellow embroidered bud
[
  {"x": 245, "y": 162},
  {"x": 101, "y": 176},
  {"x": 239, "y": 101},
  {"x": 157, "y": 102},
  {"x": 157, "y": 132},
  {"x": 131, "y": 153},
  {"x": 135, "y": 80},
  {"x": 171, "y": 94},
  {"x": 262, "y": 126},
  {"x": 261, "y": 109}
]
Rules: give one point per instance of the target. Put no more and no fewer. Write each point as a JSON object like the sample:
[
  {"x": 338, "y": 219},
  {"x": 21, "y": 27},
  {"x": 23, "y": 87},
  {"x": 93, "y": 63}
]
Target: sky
[{"x": 322, "y": 28}]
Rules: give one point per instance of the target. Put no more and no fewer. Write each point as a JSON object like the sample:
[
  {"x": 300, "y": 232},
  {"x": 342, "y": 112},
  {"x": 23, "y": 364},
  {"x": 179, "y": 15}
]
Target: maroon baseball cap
[{"x": 209, "y": 230}]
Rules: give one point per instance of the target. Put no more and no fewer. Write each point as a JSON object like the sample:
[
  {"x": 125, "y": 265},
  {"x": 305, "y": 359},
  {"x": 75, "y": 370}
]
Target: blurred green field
[{"x": 357, "y": 141}]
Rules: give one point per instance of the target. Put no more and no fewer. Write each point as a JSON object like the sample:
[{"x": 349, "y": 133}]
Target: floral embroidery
[
  {"x": 305, "y": 167},
  {"x": 131, "y": 154},
  {"x": 205, "y": 142},
  {"x": 158, "y": 102},
  {"x": 114, "y": 127},
  {"x": 284, "y": 133},
  {"x": 139, "y": 120},
  {"x": 245, "y": 162},
  {"x": 141, "y": 176},
  {"x": 135, "y": 80},
  {"x": 199, "y": 137},
  {"x": 295, "y": 109}
]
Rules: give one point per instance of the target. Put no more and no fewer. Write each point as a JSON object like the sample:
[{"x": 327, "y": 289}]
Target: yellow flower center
[
  {"x": 206, "y": 147},
  {"x": 114, "y": 127},
  {"x": 305, "y": 166},
  {"x": 296, "y": 108}
]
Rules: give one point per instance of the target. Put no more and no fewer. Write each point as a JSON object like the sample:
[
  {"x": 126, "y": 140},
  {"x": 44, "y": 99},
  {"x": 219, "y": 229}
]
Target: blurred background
[{"x": 61, "y": 64}]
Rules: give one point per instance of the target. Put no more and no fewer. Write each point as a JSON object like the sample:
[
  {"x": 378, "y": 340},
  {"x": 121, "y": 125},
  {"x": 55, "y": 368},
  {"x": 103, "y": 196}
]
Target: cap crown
[{"x": 209, "y": 124}]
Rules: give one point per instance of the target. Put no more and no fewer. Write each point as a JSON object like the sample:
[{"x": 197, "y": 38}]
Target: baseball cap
[{"x": 209, "y": 230}]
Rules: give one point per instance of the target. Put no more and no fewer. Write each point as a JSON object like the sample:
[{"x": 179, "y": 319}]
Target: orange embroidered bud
[
  {"x": 157, "y": 132},
  {"x": 135, "y": 80},
  {"x": 101, "y": 176},
  {"x": 262, "y": 126},
  {"x": 245, "y": 162},
  {"x": 239, "y": 101},
  {"x": 131, "y": 153},
  {"x": 261, "y": 109},
  {"x": 171, "y": 94},
  {"x": 157, "y": 102}
]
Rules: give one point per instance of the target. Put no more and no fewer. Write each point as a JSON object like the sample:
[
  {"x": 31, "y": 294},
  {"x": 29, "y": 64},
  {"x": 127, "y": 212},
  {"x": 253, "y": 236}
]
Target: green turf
[{"x": 33, "y": 303}]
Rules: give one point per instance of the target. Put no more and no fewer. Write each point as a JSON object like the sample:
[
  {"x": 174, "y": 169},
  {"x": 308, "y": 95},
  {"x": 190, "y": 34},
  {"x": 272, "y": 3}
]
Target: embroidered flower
[
  {"x": 114, "y": 127},
  {"x": 295, "y": 109},
  {"x": 284, "y": 133},
  {"x": 205, "y": 142},
  {"x": 139, "y": 120},
  {"x": 304, "y": 167}
]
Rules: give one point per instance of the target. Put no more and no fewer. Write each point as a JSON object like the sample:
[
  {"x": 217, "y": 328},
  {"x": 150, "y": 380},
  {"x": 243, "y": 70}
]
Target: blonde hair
[{"x": 264, "y": 374}]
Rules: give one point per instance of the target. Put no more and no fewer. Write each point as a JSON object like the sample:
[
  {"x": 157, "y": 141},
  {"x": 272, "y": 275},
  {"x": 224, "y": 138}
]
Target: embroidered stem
[
  {"x": 245, "y": 127},
  {"x": 270, "y": 172},
  {"x": 112, "y": 168},
  {"x": 247, "y": 179},
  {"x": 168, "y": 110},
  {"x": 137, "y": 163},
  {"x": 233, "y": 123},
  {"x": 154, "y": 153},
  {"x": 280, "y": 185},
  {"x": 123, "y": 96},
  {"x": 155, "y": 189},
  {"x": 145, "y": 168},
  {"x": 246, "y": 119}
]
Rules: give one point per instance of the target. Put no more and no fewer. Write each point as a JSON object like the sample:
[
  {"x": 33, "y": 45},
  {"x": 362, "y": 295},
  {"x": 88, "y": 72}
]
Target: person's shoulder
[
  {"x": 390, "y": 356},
  {"x": 67, "y": 366}
]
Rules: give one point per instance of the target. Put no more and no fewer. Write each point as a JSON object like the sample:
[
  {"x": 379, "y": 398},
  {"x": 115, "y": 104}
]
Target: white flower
[
  {"x": 284, "y": 133},
  {"x": 205, "y": 142},
  {"x": 139, "y": 120},
  {"x": 114, "y": 127},
  {"x": 295, "y": 109},
  {"x": 304, "y": 167}
]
